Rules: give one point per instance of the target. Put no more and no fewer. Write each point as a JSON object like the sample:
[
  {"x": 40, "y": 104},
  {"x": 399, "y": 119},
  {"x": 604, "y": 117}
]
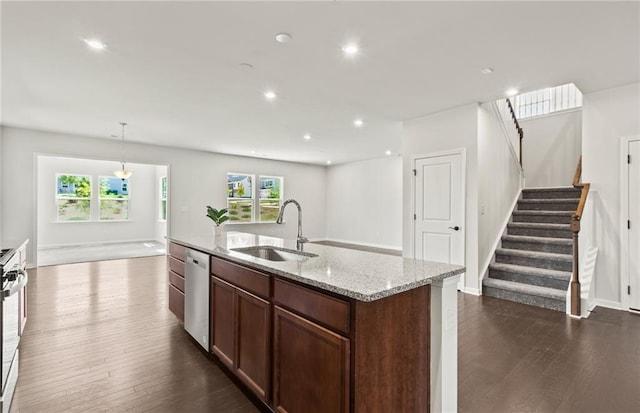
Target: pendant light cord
[{"x": 122, "y": 149}]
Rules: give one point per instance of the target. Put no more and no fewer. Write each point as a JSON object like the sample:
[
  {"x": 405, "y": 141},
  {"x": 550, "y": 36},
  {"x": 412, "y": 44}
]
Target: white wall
[
  {"x": 142, "y": 204},
  {"x": 196, "y": 179},
  {"x": 364, "y": 202},
  {"x": 1, "y": 184},
  {"x": 551, "y": 148},
  {"x": 608, "y": 116},
  {"x": 499, "y": 182},
  {"x": 450, "y": 129}
]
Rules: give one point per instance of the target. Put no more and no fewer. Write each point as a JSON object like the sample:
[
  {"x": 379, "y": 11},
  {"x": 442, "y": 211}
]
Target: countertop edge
[{"x": 223, "y": 253}]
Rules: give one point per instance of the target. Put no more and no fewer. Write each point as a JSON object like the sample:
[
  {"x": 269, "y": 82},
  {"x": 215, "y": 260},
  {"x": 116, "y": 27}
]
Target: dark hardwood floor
[
  {"x": 519, "y": 358},
  {"x": 100, "y": 338}
]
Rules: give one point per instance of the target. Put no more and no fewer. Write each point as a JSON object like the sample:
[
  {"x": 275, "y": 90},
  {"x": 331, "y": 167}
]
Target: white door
[
  {"x": 634, "y": 227},
  {"x": 439, "y": 209}
]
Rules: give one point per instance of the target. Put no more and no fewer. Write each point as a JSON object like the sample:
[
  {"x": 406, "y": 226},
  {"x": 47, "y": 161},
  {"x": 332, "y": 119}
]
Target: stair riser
[
  {"x": 530, "y": 279},
  {"x": 550, "y": 194},
  {"x": 535, "y": 262},
  {"x": 525, "y": 299},
  {"x": 540, "y": 232},
  {"x": 536, "y": 246},
  {"x": 547, "y": 206},
  {"x": 542, "y": 219}
]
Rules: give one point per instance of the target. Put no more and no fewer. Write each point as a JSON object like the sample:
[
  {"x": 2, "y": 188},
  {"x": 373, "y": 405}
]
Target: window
[
  {"x": 73, "y": 197},
  {"x": 253, "y": 203},
  {"x": 163, "y": 198},
  {"x": 114, "y": 198},
  {"x": 240, "y": 197},
  {"x": 549, "y": 100},
  {"x": 270, "y": 198}
]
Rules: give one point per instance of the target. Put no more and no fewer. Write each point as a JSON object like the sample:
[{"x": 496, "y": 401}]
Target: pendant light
[{"x": 122, "y": 173}]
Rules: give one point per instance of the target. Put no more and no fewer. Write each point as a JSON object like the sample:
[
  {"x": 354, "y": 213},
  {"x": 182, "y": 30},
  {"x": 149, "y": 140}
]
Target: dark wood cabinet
[
  {"x": 241, "y": 335},
  {"x": 175, "y": 261},
  {"x": 311, "y": 366},
  {"x": 223, "y": 309},
  {"x": 302, "y": 349},
  {"x": 253, "y": 348}
]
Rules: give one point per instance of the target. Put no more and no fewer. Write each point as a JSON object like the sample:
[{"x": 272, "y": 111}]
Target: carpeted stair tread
[
  {"x": 551, "y": 200},
  {"x": 535, "y": 254},
  {"x": 539, "y": 225},
  {"x": 551, "y": 189},
  {"x": 544, "y": 213},
  {"x": 541, "y": 240},
  {"x": 540, "y": 272},
  {"x": 533, "y": 290}
]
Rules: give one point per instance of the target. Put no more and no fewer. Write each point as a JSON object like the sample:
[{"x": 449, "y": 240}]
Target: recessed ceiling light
[
  {"x": 350, "y": 49},
  {"x": 270, "y": 95},
  {"x": 511, "y": 92},
  {"x": 95, "y": 44},
  {"x": 307, "y": 136},
  {"x": 387, "y": 153},
  {"x": 328, "y": 162},
  {"x": 253, "y": 152},
  {"x": 358, "y": 122},
  {"x": 283, "y": 37},
  {"x": 487, "y": 70}
]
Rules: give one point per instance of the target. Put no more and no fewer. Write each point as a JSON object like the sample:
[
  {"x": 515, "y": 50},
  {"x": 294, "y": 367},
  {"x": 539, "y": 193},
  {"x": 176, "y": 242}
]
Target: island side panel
[
  {"x": 444, "y": 345},
  {"x": 391, "y": 343}
]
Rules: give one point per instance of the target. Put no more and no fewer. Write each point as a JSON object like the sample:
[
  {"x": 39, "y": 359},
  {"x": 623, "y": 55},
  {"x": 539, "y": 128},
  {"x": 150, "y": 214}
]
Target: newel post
[{"x": 575, "y": 280}]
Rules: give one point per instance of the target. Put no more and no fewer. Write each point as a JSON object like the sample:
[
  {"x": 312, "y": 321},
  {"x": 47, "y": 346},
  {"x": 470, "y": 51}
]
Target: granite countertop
[{"x": 364, "y": 276}]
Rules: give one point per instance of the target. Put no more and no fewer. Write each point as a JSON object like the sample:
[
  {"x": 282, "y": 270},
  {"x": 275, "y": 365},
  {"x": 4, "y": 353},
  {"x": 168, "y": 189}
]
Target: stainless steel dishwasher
[{"x": 196, "y": 297}]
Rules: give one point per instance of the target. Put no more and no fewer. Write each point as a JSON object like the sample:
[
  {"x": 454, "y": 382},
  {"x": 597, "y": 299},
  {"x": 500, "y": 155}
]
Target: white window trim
[
  {"x": 255, "y": 197},
  {"x": 128, "y": 198},
  {"x": 56, "y": 198}
]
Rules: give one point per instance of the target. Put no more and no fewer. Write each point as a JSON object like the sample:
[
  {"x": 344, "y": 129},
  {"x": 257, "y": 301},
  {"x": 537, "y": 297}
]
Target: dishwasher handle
[{"x": 199, "y": 263}]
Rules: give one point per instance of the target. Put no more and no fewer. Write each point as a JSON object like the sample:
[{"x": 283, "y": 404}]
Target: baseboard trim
[
  {"x": 471, "y": 291},
  {"x": 497, "y": 242},
  {"x": 97, "y": 243},
  {"x": 364, "y": 244},
  {"x": 614, "y": 305}
]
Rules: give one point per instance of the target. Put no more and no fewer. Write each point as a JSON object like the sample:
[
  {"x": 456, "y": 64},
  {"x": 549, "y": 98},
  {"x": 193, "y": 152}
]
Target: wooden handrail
[
  {"x": 518, "y": 128},
  {"x": 575, "y": 228}
]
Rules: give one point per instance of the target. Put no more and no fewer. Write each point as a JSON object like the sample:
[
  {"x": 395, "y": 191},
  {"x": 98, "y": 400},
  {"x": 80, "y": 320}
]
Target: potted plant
[{"x": 218, "y": 217}]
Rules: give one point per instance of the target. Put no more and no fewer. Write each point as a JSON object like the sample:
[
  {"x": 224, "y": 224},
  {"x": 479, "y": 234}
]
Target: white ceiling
[{"x": 172, "y": 70}]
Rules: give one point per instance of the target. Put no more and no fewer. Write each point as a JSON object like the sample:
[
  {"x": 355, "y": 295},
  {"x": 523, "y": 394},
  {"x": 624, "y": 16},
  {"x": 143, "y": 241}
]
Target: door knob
[{"x": 456, "y": 228}]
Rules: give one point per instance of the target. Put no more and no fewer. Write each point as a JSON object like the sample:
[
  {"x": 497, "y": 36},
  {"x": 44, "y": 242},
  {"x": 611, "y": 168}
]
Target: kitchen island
[{"x": 329, "y": 329}]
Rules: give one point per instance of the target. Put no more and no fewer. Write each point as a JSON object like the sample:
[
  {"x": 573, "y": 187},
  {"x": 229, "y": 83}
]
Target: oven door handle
[{"x": 16, "y": 286}]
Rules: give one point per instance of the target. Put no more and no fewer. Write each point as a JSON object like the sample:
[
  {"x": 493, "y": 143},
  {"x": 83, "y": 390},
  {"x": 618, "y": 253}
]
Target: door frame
[
  {"x": 463, "y": 196},
  {"x": 625, "y": 276}
]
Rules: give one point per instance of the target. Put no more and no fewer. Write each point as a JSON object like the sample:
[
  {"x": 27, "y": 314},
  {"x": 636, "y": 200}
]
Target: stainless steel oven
[{"x": 14, "y": 279}]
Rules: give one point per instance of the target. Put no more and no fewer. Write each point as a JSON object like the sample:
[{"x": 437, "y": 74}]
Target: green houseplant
[{"x": 218, "y": 217}]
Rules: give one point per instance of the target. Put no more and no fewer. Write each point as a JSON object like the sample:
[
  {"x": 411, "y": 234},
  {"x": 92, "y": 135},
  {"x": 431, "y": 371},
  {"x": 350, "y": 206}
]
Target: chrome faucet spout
[{"x": 300, "y": 239}]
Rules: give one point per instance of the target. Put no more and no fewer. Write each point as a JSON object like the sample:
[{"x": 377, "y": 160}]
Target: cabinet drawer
[
  {"x": 176, "y": 266},
  {"x": 245, "y": 278},
  {"x": 176, "y": 302},
  {"x": 176, "y": 280},
  {"x": 322, "y": 308},
  {"x": 177, "y": 251}
]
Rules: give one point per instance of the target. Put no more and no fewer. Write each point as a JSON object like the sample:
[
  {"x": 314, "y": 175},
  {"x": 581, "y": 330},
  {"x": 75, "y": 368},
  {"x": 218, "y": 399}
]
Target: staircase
[{"x": 535, "y": 262}]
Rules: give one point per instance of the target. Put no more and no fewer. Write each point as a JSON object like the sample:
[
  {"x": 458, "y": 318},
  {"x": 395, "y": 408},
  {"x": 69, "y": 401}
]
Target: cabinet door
[
  {"x": 223, "y": 321},
  {"x": 311, "y": 366},
  {"x": 254, "y": 338}
]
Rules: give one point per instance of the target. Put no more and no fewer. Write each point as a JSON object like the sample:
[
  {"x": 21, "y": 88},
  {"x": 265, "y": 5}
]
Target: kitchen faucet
[{"x": 300, "y": 240}]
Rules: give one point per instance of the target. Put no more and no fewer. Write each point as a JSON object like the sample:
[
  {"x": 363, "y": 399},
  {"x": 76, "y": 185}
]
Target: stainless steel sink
[{"x": 274, "y": 253}]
